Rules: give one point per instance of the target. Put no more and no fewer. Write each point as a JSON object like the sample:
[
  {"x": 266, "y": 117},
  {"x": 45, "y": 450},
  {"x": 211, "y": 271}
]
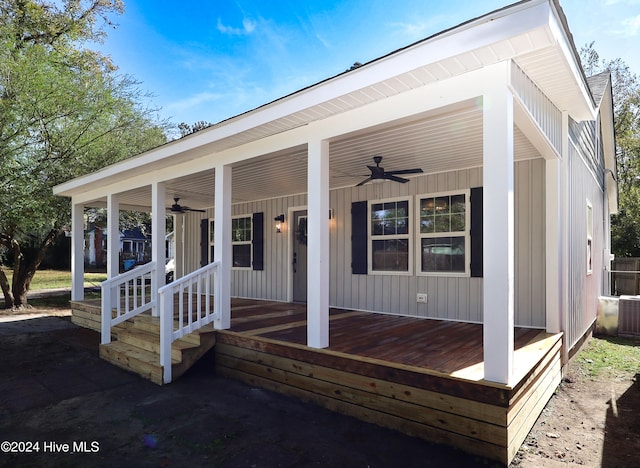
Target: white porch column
[
  {"x": 113, "y": 235},
  {"x": 77, "y": 252},
  {"x": 553, "y": 239},
  {"x": 158, "y": 229},
  {"x": 223, "y": 249},
  {"x": 565, "y": 215},
  {"x": 318, "y": 245},
  {"x": 498, "y": 231}
]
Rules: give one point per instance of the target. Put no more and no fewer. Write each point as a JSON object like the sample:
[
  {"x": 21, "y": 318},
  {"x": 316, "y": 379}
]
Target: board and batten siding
[
  {"x": 452, "y": 298},
  {"x": 585, "y": 186},
  {"x": 270, "y": 283}
]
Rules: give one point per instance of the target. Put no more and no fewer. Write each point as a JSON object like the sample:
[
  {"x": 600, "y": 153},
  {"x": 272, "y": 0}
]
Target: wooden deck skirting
[{"x": 420, "y": 377}]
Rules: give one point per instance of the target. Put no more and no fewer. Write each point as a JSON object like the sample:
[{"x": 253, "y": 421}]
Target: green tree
[
  {"x": 186, "y": 129},
  {"x": 625, "y": 226},
  {"x": 64, "y": 112}
]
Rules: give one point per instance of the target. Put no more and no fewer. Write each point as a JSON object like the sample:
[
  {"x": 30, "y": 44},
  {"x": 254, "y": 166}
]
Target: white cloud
[
  {"x": 192, "y": 101},
  {"x": 631, "y": 26},
  {"x": 326, "y": 43},
  {"x": 248, "y": 26},
  {"x": 420, "y": 29}
]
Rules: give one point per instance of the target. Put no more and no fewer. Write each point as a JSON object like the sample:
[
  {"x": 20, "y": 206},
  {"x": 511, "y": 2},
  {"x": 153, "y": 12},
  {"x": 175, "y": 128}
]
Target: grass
[
  {"x": 610, "y": 357},
  {"x": 53, "y": 279}
]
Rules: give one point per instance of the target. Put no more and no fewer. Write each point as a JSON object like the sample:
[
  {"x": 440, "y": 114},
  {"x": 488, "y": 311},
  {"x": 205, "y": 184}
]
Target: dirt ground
[
  {"x": 57, "y": 393},
  {"x": 588, "y": 422}
]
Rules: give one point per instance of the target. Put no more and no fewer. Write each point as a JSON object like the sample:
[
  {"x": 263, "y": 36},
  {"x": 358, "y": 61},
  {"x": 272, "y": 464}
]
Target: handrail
[
  {"x": 196, "y": 290},
  {"x": 127, "y": 295}
]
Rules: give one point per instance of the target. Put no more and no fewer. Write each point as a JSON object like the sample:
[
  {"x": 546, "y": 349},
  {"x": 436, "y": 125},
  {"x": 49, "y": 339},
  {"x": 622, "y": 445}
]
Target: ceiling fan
[
  {"x": 378, "y": 173},
  {"x": 178, "y": 209}
]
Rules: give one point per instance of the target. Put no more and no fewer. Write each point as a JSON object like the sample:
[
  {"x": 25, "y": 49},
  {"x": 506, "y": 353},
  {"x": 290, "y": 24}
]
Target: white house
[{"x": 506, "y": 226}]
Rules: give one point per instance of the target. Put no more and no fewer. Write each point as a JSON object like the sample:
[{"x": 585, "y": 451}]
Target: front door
[{"x": 300, "y": 256}]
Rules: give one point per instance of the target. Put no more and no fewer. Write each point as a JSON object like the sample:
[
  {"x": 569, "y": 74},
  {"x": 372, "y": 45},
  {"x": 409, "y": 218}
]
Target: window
[
  {"x": 389, "y": 236},
  {"x": 247, "y": 239},
  {"x": 241, "y": 241},
  {"x": 589, "y": 237},
  {"x": 443, "y": 222}
]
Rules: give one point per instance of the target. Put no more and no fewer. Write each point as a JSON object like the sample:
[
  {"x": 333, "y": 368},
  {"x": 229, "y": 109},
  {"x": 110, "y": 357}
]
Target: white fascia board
[
  {"x": 609, "y": 147},
  {"x": 608, "y": 129},
  {"x": 484, "y": 31},
  {"x": 584, "y": 107}
]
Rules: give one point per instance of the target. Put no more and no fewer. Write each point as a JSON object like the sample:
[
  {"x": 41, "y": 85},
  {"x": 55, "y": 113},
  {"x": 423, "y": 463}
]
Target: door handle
[{"x": 295, "y": 261}]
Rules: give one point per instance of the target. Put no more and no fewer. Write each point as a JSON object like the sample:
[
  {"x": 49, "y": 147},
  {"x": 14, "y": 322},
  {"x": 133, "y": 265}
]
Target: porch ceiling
[{"x": 442, "y": 143}]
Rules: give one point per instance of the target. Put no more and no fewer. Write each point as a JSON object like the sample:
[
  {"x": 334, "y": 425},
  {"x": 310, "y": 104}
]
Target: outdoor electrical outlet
[{"x": 422, "y": 297}]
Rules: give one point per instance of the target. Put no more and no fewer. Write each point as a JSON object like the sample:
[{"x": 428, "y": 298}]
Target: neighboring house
[
  {"x": 95, "y": 245},
  {"x": 170, "y": 245},
  {"x": 133, "y": 246},
  {"x": 507, "y": 225}
]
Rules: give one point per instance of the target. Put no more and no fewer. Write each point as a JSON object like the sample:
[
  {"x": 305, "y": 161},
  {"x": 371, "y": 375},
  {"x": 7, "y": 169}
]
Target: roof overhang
[
  {"x": 533, "y": 33},
  {"x": 607, "y": 129}
]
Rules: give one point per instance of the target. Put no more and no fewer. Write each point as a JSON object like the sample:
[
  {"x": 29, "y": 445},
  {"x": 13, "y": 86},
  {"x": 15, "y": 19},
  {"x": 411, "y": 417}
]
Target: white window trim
[
  {"x": 408, "y": 237},
  {"x": 467, "y": 235},
  {"x": 589, "y": 240},
  {"x": 249, "y": 242}
]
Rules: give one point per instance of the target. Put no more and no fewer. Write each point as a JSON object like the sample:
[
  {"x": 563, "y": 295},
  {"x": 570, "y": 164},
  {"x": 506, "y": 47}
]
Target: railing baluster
[
  {"x": 126, "y": 298},
  {"x": 199, "y": 298},
  {"x": 181, "y": 308},
  {"x": 190, "y": 304},
  {"x": 118, "y": 296},
  {"x": 207, "y": 298},
  {"x": 135, "y": 293}
]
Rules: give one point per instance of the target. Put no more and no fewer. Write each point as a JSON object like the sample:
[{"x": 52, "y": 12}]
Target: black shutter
[
  {"x": 359, "y": 238},
  {"x": 204, "y": 242},
  {"x": 476, "y": 233},
  {"x": 258, "y": 241}
]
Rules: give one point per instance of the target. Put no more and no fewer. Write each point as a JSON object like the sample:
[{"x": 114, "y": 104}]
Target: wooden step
[
  {"x": 138, "y": 350},
  {"x": 144, "y": 363},
  {"x": 147, "y": 323},
  {"x": 93, "y": 321},
  {"x": 151, "y": 342},
  {"x": 152, "y": 325},
  {"x": 85, "y": 306}
]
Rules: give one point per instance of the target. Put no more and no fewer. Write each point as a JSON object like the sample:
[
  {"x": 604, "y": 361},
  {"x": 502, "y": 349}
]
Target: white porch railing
[
  {"x": 199, "y": 292},
  {"x": 128, "y": 294}
]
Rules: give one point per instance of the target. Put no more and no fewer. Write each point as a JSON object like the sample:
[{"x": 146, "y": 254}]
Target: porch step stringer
[{"x": 136, "y": 348}]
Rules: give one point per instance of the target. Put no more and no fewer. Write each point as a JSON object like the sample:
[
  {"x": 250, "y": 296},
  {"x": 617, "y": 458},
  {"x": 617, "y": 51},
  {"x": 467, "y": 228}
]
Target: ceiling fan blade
[
  {"x": 405, "y": 171},
  {"x": 364, "y": 181},
  {"x": 186, "y": 208},
  {"x": 390, "y": 176}
]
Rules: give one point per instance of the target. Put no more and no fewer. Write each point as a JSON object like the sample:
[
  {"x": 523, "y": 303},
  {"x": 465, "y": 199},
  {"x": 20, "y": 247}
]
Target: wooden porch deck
[
  {"x": 419, "y": 376},
  {"x": 452, "y": 348}
]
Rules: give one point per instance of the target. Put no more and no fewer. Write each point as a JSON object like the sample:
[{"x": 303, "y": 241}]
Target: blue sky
[{"x": 210, "y": 60}]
